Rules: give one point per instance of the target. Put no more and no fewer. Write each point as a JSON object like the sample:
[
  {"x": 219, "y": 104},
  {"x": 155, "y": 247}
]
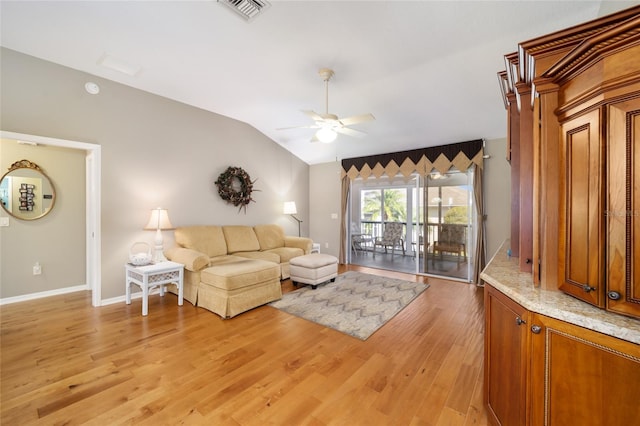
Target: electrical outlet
[
  {"x": 326, "y": 245},
  {"x": 37, "y": 269}
]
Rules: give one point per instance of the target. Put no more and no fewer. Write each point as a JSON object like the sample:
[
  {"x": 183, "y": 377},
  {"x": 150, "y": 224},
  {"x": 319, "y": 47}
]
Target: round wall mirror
[{"x": 26, "y": 192}]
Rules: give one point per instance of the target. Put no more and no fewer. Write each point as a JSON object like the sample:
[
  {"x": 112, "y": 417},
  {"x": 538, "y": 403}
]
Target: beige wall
[
  {"x": 324, "y": 202},
  {"x": 155, "y": 152},
  {"x": 56, "y": 241},
  {"x": 497, "y": 198}
]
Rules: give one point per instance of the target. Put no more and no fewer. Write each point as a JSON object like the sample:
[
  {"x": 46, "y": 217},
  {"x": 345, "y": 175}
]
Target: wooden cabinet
[
  {"x": 623, "y": 207},
  {"x": 581, "y": 253},
  {"x": 505, "y": 359},
  {"x": 577, "y": 96},
  {"x": 544, "y": 371},
  {"x": 581, "y": 377},
  {"x": 573, "y": 107}
]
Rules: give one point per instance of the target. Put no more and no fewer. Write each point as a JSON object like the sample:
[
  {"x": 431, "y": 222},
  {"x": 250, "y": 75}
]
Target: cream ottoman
[{"x": 313, "y": 269}]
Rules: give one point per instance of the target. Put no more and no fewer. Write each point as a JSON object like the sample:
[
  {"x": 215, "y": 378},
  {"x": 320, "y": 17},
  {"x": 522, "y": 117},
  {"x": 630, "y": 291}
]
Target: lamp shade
[
  {"x": 159, "y": 220},
  {"x": 290, "y": 207},
  {"x": 326, "y": 135}
]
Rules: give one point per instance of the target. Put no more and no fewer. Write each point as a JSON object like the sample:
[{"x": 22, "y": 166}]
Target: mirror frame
[{"x": 26, "y": 164}]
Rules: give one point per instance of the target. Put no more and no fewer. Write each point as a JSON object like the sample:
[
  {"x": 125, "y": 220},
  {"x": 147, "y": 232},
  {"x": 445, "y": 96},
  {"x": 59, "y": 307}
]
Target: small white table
[{"x": 154, "y": 275}]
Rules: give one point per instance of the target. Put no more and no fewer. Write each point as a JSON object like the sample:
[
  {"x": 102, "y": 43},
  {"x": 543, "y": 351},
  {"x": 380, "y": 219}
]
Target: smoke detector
[{"x": 247, "y": 9}]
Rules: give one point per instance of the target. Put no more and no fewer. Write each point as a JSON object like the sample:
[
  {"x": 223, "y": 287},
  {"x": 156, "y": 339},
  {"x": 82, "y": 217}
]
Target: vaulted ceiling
[{"x": 425, "y": 69}]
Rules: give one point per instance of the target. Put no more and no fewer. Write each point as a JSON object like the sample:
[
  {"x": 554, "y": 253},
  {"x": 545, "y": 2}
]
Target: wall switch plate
[
  {"x": 4, "y": 221},
  {"x": 334, "y": 215},
  {"x": 37, "y": 269}
]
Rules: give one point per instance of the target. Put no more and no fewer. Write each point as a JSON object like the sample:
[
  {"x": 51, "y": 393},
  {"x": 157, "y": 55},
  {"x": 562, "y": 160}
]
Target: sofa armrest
[
  {"x": 191, "y": 259},
  {"x": 303, "y": 243}
]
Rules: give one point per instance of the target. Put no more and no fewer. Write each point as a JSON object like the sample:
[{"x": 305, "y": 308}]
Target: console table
[{"x": 154, "y": 275}]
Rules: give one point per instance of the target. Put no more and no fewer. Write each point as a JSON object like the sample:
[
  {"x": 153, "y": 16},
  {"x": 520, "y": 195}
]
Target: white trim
[
  {"x": 122, "y": 299},
  {"x": 42, "y": 294},
  {"x": 93, "y": 221},
  {"x": 93, "y": 207}
]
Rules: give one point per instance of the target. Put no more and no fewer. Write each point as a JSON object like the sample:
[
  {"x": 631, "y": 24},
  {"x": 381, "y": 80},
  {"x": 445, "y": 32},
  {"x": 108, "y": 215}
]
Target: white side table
[
  {"x": 315, "y": 248},
  {"x": 149, "y": 276}
]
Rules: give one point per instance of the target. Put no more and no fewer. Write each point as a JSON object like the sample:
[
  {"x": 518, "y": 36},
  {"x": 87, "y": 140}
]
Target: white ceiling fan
[{"x": 329, "y": 125}]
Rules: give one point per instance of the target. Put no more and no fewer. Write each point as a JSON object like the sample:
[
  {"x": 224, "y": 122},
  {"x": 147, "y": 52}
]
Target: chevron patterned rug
[{"x": 356, "y": 304}]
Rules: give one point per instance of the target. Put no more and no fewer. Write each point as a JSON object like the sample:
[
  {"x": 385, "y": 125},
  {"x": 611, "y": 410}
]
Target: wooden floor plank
[{"x": 63, "y": 361}]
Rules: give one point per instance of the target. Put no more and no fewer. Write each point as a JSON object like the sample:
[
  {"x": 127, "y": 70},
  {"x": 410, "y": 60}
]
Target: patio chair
[
  {"x": 391, "y": 237},
  {"x": 360, "y": 242},
  {"x": 451, "y": 239}
]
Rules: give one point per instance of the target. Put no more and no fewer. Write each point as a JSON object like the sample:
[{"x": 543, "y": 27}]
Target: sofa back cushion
[
  {"x": 269, "y": 236},
  {"x": 207, "y": 239},
  {"x": 240, "y": 238}
]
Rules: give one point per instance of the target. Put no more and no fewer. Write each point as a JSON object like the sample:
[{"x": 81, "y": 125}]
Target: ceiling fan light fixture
[{"x": 326, "y": 135}]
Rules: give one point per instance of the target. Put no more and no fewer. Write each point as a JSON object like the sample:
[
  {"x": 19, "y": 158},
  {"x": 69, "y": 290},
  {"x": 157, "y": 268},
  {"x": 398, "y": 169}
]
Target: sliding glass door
[
  {"x": 447, "y": 243},
  {"x": 376, "y": 207},
  {"x": 435, "y": 213}
]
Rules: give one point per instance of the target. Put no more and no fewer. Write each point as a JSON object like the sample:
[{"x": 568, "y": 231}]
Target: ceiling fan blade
[
  {"x": 309, "y": 126},
  {"x": 314, "y": 115},
  {"x": 350, "y": 132},
  {"x": 357, "y": 119}
]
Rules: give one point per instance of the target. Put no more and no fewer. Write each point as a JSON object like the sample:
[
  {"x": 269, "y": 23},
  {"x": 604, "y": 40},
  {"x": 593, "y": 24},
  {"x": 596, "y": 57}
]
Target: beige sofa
[{"x": 231, "y": 269}]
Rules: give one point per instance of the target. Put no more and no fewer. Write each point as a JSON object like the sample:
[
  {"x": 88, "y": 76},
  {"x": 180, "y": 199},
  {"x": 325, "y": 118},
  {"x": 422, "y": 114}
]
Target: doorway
[{"x": 93, "y": 220}]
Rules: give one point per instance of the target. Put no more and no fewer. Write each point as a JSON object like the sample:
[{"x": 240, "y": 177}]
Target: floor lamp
[{"x": 290, "y": 209}]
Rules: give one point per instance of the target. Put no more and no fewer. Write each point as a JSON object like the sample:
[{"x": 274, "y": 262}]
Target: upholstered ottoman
[{"x": 313, "y": 269}]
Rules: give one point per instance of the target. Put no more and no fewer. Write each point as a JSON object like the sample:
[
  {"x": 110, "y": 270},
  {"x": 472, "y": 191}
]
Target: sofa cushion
[
  {"x": 269, "y": 236},
  {"x": 207, "y": 239},
  {"x": 220, "y": 260},
  {"x": 262, "y": 255},
  {"x": 240, "y": 238},
  {"x": 286, "y": 253}
]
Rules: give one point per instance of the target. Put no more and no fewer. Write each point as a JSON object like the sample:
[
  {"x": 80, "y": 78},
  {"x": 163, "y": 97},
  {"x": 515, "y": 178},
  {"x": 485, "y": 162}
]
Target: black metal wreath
[{"x": 230, "y": 192}]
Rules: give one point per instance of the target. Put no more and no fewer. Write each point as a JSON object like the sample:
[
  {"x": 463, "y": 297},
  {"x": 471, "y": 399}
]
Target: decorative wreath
[{"x": 229, "y": 192}]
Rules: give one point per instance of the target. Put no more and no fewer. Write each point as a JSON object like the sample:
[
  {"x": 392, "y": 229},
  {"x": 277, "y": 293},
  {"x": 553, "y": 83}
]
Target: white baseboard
[
  {"x": 122, "y": 299},
  {"x": 40, "y": 295},
  {"x": 56, "y": 292}
]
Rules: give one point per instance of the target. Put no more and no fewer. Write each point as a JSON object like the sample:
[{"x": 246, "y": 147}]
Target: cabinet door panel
[
  {"x": 582, "y": 377},
  {"x": 623, "y": 208},
  {"x": 505, "y": 359},
  {"x": 581, "y": 239}
]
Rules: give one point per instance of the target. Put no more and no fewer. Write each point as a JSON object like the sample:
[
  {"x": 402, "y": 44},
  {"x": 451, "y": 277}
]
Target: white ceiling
[{"x": 425, "y": 69}]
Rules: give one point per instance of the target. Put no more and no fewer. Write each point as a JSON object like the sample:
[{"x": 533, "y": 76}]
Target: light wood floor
[{"x": 65, "y": 362}]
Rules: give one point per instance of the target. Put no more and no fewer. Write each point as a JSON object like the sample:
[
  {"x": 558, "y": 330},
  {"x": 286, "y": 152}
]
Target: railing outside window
[{"x": 375, "y": 229}]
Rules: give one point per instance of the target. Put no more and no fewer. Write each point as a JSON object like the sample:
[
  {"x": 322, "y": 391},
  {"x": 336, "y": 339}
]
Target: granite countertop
[{"x": 503, "y": 273}]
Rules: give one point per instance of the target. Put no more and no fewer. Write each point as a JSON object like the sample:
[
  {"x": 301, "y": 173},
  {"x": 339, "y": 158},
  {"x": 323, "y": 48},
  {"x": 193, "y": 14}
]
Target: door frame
[{"x": 92, "y": 209}]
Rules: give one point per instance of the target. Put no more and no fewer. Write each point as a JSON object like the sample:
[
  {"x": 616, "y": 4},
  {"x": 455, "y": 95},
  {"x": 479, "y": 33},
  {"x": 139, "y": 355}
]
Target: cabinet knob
[
  {"x": 520, "y": 321},
  {"x": 536, "y": 329},
  {"x": 587, "y": 288},
  {"x": 614, "y": 295}
]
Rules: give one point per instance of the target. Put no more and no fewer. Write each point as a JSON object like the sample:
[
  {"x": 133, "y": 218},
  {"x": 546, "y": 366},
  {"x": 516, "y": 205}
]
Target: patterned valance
[{"x": 423, "y": 161}]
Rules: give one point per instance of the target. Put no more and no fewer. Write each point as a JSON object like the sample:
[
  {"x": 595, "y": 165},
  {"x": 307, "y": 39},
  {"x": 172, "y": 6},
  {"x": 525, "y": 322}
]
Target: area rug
[{"x": 356, "y": 304}]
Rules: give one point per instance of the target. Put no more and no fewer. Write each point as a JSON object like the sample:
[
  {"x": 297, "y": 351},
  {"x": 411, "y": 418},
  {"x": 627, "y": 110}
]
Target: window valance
[{"x": 423, "y": 161}]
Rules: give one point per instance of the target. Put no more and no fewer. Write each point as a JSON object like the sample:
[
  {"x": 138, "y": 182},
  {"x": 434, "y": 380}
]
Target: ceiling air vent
[{"x": 248, "y": 9}]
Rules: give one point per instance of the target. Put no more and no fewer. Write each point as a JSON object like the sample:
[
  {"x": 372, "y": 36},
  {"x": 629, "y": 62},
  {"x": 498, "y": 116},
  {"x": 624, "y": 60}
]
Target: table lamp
[{"x": 159, "y": 221}]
